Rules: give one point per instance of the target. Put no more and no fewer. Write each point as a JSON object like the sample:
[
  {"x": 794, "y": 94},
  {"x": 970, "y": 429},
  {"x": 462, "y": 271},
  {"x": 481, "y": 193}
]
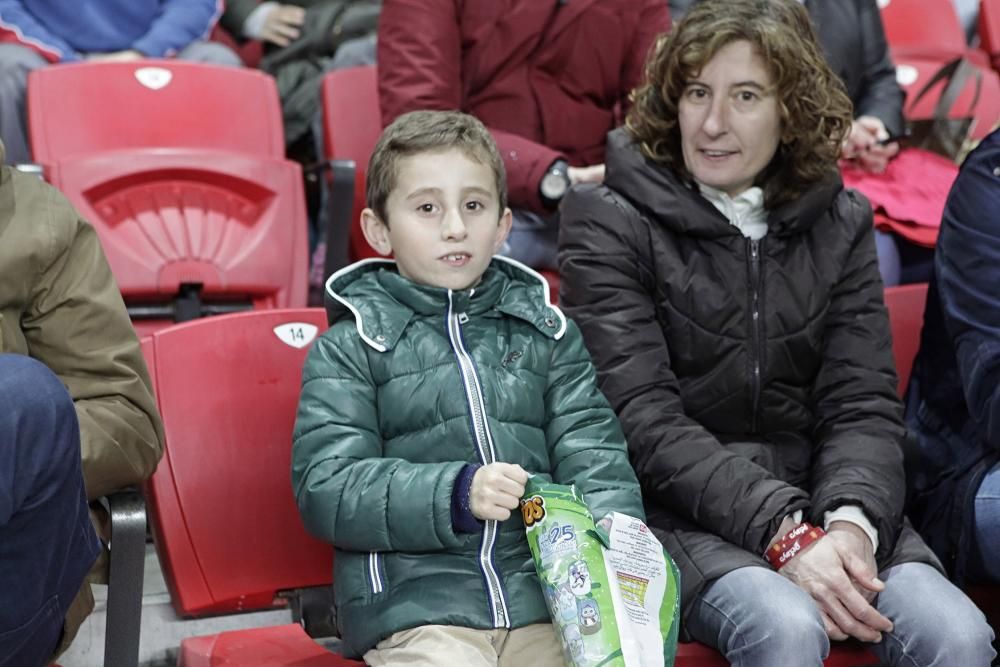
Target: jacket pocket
[{"x": 376, "y": 573}]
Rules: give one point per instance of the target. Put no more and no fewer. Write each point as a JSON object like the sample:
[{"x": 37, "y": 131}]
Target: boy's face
[{"x": 445, "y": 221}]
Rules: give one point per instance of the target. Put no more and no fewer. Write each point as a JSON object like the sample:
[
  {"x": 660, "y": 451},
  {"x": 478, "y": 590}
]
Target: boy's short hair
[{"x": 424, "y": 132}]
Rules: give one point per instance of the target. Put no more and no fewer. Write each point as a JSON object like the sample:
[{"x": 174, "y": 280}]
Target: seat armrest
[{"x": 125, "y": 578}]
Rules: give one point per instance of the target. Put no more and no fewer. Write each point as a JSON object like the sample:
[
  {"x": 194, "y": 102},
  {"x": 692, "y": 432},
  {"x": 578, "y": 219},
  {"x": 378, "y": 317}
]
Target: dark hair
[
  {"x": 429, "y": 131},
  {"x": 815, "y": 109}
]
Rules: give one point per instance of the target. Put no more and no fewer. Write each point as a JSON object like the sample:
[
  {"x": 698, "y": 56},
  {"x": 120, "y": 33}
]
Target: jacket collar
[
  {"x": 383, "y": 303},
  {"x": 658, "y": 192}
]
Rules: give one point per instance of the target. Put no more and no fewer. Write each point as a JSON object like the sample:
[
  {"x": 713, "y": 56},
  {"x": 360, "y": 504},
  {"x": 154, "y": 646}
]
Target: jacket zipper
[
  {"x": 755, "y": 338},
  {"x": 487, "y": 454},
  {"x": 374, "y": 575}
]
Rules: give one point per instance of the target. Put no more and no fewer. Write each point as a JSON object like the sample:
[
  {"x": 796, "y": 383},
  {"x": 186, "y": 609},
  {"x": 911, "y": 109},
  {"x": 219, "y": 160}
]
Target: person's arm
[
  {"x": 235, "y": 16},
  {"x": 858, "y": 429},
  {"x": 586, "y": 443},
  {"x": 606, "y": 286},
  {"x": 348, "y": 493},
  {"x": 881, "y": 97},
  {"x": 21, "y": 27},
  {"x": 77, "y": 325},
  {"x": 653, "y": 20},
  {"x": 180, "y": 23},
  {"x": 420, "y": 67},
  {"x": 967, "y": 267}
]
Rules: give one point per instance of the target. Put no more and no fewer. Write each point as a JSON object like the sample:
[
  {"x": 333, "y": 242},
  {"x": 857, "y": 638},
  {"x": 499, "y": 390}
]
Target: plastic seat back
[
  {"x": 225, "y": 522},
  {"x": 90, "y": 107},
  {"x": 929, "y": 27},
  {"x": 352, "y": 123},
  {"x": 913, "y": 73},
  {"x": 189, "y": 194},
  {"x": 906, "y": 317}
]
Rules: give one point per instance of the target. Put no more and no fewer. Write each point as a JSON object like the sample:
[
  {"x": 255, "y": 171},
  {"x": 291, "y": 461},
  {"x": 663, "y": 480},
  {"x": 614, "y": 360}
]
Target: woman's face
[{"x": 729, "y": 119}]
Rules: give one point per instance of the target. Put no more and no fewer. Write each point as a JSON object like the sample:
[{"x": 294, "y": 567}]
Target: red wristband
[{"x": 792, "y": 544}]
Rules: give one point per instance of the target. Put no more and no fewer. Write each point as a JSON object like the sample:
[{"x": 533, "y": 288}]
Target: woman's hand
[
  {"x": 839, "y": 572},
  {"x": 863, "y": 146}
]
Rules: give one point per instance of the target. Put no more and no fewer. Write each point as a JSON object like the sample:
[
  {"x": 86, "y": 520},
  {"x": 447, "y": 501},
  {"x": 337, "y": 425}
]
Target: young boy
[{"x": 444, "y": 380}]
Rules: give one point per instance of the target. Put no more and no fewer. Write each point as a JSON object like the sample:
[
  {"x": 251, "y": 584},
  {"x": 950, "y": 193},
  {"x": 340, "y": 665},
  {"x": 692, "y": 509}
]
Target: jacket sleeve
[
  {"x": 881, "y": 97},
  {"x": 20, "y": 26},
  {"x": 420, "y": 67},
  {"x": 347, "y": 492},
  {"x": 607, "y": 282},
  {"x": 967, "y": 267},
  {"x": 858, "y": 430},
  {"x": 586, "y": 444},
  {"x": 236, "y": 14},
  {"x": 653, "y": 20},
  {"x": 77, "y": 325},
  {"x": 180, "y": 23}
]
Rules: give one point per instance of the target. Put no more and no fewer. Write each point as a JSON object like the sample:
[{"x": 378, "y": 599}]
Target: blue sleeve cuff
[{"x": 462, "y": 519}]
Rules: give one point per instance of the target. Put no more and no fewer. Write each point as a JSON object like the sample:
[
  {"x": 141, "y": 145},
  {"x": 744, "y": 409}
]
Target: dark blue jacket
[{"x": 953, "y": 402}]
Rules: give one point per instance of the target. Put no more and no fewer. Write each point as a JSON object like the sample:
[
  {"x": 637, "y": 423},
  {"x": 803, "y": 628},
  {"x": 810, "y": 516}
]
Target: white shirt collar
[{"x": 745, "y": 211}]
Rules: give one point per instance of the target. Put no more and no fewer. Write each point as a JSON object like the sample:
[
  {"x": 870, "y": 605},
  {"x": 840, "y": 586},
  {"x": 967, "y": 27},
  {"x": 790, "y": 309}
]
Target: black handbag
[{"x": 941, "y": 133}]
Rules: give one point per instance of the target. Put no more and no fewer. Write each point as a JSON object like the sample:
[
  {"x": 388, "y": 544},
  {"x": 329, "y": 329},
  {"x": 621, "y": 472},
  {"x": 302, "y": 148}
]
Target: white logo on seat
[
  {"x": 906, "y": 75},
  {"x": 882, "y": 4},
  {"x": 296, "y": 334},
  {"x": 153, "y": 78}
]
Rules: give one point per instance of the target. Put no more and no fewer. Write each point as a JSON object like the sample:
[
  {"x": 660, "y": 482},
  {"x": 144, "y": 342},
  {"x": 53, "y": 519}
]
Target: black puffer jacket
[{"x": 734, "y": 421}]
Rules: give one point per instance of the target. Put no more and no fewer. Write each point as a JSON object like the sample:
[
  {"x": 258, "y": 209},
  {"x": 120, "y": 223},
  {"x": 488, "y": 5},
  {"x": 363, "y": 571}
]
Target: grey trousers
[{"x": 17, "y": 61}]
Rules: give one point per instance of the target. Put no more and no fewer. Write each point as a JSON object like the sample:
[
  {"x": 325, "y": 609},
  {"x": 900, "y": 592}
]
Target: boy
[{"x": 444, "y": 380}]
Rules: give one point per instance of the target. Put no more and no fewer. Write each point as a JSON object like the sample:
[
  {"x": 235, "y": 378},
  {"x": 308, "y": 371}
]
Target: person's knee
[
  {"x": 39, "y": 408},
  {"x": 790, "y": 626},
  {"x": 965, "y": 638},
  {"x": 211, "y": 53},
  {"x": 15, "y": 64}
]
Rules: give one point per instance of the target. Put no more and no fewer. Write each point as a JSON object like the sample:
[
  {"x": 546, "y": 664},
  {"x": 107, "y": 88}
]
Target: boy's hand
[{"x": 496, "y": 491}]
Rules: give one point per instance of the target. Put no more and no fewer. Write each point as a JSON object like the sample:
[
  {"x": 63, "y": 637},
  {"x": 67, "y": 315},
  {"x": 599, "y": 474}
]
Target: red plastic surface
[
  {"x": 352, "y": 122},
  {"x": 225, "y": 523},
  {"x": 848, "y": 654},
  {"x": 989, "y": 30},
  {"x": 231, "y": 221},
  {"x": 932, "y": 28},
  {"x": 276, "y": 646},
  {"x": 87, "y": 107},
  {"x": 906, "y": 317},
  {"x": 913, "y": 72}
]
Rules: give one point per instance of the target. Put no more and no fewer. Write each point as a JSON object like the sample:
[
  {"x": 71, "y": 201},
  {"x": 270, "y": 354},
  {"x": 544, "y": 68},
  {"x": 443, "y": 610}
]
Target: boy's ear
[
  {"x": 503, "y": 229},
  {"x": 376, "y": 232}
]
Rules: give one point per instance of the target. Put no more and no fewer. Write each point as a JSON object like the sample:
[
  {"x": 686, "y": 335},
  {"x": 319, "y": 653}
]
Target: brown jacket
[{"x": 60, "y": 305}]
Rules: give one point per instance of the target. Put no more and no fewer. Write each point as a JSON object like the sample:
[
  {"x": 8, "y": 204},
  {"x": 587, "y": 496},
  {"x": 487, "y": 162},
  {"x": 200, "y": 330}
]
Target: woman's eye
[
  {"x": 697, "y": 93},
  {"x": 747, "y": 96}
]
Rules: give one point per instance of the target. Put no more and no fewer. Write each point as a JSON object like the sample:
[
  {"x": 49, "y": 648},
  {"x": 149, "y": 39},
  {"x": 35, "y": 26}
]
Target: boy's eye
[
  {"x": 474, "y": 206},
  {"x": 426, "y": 208}
]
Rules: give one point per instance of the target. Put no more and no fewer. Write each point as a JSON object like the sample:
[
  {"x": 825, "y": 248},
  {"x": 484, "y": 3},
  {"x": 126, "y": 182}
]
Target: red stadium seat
[
  {"x": 913, "y": 72},
  {"x": 924, "y": 27},
  {"x": 906, "y": 317},
  {"x": 194, "y": 203},
  {"x": 352, "y": 123},
  {"x": 989, "y": 30},
  {"x": 225, "y": 523}
]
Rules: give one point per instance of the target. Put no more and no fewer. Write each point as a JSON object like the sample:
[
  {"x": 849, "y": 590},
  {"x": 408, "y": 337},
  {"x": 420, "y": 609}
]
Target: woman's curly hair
[{"x": 815, "y": 109}]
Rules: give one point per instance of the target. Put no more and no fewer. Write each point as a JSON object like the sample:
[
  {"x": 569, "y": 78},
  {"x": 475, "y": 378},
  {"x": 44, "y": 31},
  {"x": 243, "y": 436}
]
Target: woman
[{"x": 727, "y": 287}]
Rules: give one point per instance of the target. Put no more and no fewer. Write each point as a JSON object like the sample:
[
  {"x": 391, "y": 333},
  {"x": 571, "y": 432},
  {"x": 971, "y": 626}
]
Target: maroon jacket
[{"x": 546, "y": 76}]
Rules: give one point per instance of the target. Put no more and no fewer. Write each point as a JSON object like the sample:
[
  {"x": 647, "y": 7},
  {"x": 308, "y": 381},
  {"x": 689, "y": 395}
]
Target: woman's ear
[{"x": 376, "y": 232}]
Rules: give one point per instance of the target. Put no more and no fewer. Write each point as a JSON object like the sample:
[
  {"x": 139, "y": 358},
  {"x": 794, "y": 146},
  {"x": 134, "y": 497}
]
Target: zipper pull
[
  {"x": 462, "y": 318},
  {"x": 753, "y": 248}
]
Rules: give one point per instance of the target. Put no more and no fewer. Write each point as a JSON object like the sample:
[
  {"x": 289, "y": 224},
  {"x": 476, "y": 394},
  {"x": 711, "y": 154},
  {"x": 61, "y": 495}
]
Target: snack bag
[{"x": 612, "y": 592}]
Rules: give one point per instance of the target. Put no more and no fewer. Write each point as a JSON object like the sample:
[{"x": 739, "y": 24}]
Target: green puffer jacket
[{"x": 410, "y": 384}]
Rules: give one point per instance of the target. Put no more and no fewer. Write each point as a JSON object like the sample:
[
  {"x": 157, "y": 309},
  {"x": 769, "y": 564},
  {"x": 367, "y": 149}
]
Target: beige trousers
[{"x": 432, "y": 645}]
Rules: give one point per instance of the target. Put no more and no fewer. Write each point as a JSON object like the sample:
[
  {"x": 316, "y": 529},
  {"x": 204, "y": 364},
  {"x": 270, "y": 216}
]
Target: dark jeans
[{"x": 47, "y": 543}]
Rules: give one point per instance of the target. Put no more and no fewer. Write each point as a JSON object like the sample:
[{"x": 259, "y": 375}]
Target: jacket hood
[
  {"x": 382, "y": 302},
  {"x": 659, "y": 193}
]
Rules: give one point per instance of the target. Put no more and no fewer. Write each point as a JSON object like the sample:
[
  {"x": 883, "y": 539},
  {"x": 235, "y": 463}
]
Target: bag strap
[{"x": 956, "y": 72}]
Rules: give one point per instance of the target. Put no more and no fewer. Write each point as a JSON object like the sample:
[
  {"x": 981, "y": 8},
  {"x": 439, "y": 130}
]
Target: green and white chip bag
[{"x": 614, "y": 596}]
